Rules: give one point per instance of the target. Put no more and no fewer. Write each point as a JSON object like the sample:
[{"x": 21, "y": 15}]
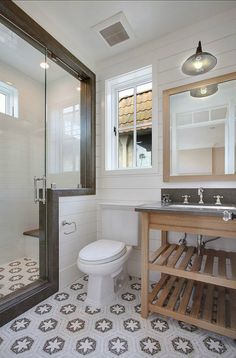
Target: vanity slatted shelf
[{"x": 196, "y": 289}]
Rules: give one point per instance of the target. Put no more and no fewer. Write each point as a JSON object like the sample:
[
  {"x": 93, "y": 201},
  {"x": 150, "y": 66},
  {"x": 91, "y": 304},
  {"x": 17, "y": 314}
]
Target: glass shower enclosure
[
  {"x": 47, "y": 151},
  {"x": 22, "y": 163}
]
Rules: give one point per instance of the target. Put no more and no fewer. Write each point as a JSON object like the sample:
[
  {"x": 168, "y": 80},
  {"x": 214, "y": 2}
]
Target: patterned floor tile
[
  {"x": 17, "y": 274},
  {"x": 63, "y": 326}
]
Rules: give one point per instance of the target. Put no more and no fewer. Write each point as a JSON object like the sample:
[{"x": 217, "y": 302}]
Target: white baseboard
[{"x": 68, "y": 275}]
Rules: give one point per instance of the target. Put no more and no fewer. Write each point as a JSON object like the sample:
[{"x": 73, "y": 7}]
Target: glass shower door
[{"x": 22, "y": 163}]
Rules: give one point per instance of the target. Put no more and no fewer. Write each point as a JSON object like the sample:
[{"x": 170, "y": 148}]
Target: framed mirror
[{"x": 199, "y": 130}]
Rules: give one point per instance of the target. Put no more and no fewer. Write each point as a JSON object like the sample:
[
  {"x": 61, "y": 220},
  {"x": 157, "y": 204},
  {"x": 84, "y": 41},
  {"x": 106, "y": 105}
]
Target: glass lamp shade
[
  {"x": 204, "y": 91},
  {"x": 199, "y": 63}
]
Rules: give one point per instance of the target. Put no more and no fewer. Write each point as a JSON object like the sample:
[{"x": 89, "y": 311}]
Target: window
[
  {"x": 8, "y": 100},
  {"x": 129, "y": 120}
]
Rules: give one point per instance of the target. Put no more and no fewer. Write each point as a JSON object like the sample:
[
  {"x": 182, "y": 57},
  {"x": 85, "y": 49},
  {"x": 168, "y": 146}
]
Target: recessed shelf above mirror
[{"x": 200, "y": 130}]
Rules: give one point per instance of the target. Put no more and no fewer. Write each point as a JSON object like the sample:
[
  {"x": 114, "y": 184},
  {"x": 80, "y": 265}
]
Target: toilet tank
[{"x": 119, "y": 222}]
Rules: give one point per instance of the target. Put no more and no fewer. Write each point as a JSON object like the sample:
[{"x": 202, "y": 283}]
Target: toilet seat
[{"x": 102, "y": 251}]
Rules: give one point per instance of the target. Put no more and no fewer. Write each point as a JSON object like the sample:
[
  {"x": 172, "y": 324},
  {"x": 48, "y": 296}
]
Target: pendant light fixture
[
  {"x": 199, "y": 63},
  {"x": 204, "y": 91}
]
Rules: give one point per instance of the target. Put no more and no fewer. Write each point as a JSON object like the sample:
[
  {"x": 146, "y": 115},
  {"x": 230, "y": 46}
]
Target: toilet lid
[{"x": 102, "y": 251}]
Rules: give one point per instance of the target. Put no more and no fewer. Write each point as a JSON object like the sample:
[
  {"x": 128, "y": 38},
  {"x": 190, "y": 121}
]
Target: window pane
[
  {"x": 126, "y": 145},
  {"x": 2, "y": 103},
  {"x": 126, "y": 109},
  {"x": 144, "y": 126},
  {"x": 144, "y": 109},
  {"x": 125, "y": 130},
  {"x": 145, "y": 87},
  {"x": 144, "y": 148},
  {"x": 129, "y": 110},
  {"x": 8, "y": 99}
]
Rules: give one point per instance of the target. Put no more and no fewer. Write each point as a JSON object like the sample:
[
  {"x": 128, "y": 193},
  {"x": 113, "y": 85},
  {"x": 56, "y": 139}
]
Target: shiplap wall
[
  {"x": 82, "y": 211},
  {"x": 166, "y": 55}
]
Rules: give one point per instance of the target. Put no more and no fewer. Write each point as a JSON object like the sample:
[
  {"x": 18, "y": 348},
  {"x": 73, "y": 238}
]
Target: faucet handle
[
  {"x": 186, "y": 198},
  {"x": 218, "y": 197}
]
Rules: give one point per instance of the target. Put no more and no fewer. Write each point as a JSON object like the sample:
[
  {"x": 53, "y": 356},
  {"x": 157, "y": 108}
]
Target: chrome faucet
[
  {"x": 186, "y": 197},
  {"x": 218, "y": 201},
  {"x": 200, "y": 193}
]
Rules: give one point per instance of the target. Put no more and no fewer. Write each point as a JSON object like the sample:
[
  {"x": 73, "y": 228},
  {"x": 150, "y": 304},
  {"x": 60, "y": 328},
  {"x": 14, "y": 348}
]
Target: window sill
[{"x": 130, "y": 171}]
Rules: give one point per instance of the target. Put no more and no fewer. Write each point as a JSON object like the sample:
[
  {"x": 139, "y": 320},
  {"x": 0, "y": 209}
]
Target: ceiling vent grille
[
  {"x": 114, "y": 30},
  {"x": 114, "y": 34}
]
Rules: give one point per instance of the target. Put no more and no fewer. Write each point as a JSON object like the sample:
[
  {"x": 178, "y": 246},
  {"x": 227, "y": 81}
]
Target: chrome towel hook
[{"x": 64, "y": 222}]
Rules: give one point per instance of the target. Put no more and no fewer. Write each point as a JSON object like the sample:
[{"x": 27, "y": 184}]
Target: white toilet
[{"x": 105, "y": 260}]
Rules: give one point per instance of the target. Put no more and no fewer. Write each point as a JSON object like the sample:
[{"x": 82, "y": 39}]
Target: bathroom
[{"x": 81, "y": 214}]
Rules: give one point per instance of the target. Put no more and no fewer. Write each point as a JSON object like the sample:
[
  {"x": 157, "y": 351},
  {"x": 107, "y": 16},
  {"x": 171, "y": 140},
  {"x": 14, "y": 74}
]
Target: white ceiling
[{"x": 149, "y": 20}]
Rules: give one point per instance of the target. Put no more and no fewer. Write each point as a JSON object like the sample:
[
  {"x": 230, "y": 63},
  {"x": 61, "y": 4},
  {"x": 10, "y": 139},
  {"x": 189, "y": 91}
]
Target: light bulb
[
  {"x": 203, "y": 90},
  {"x": 198, "y": 63},
  {"x": 44, "y": 65}
]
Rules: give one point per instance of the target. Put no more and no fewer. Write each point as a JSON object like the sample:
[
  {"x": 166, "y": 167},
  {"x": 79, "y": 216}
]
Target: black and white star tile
[
  {"x": 17, "y": 274},
  {"x": 64, "y": 326}
]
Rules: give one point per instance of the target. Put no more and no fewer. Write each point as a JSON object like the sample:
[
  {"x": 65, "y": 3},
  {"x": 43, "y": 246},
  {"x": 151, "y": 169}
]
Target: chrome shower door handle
[
  {"x": 35, "y": 190},
  {"x": 37, "y": 199},
  {"x": 44, "y": 190}
]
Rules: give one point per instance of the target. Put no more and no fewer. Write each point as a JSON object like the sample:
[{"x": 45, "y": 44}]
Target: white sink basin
[{"x": 212, "y": 207}]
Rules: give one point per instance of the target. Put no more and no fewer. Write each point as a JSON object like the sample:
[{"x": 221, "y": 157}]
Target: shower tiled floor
[
  {"x": 63, "y": 326},
  {"x": 17, "y": 274}
]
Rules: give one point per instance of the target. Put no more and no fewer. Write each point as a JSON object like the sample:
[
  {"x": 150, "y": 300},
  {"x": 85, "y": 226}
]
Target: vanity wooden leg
[
  {"x": 164, "y": 241},
  {"x": 144, "y": 264}
]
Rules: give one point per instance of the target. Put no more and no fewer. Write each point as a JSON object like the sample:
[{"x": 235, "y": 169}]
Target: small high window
[
  {"x": 8, "y": 100},
  {"x": 129, "y": 120}
]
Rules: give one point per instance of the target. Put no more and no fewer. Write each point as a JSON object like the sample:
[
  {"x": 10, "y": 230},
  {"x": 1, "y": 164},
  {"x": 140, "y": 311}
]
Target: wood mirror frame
[{"x": 167, "y": 177}]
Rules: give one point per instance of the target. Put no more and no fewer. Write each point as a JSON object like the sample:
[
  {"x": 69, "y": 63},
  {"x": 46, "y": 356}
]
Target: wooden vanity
[{"x": 196, "y": 289}]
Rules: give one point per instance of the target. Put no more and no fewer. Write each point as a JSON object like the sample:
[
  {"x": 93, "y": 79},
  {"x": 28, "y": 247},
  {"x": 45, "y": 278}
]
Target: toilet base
[{"x": 102, "y": 290}]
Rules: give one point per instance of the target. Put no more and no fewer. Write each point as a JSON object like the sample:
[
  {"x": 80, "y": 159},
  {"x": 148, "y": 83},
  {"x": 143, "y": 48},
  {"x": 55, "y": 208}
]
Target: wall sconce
[
  {"x": 204, "y": 91},
  {"x": 199, "y": 63}
]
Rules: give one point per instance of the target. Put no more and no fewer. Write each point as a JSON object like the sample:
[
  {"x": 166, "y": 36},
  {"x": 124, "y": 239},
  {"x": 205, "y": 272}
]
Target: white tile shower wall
[
  {"x": 21, "y": 157},
  {"x": 82, "y": 211},
  {"x": 218, "y": 35}
]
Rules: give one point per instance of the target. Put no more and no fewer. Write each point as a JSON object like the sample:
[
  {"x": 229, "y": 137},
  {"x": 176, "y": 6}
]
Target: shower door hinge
[{"x": 37, "y": 199}]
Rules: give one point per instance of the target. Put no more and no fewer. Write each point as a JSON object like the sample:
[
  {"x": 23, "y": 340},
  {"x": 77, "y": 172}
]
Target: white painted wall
[
  {"x": 55, "y": 27},
  {"x": 218, "y": 35},
  {"x": 82, "y": 211}
]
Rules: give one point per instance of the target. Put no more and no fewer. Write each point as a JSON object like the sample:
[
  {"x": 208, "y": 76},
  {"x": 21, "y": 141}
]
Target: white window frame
[
  {"x": 112, "y": 88},
  {"x": 11, "y": 94}
]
